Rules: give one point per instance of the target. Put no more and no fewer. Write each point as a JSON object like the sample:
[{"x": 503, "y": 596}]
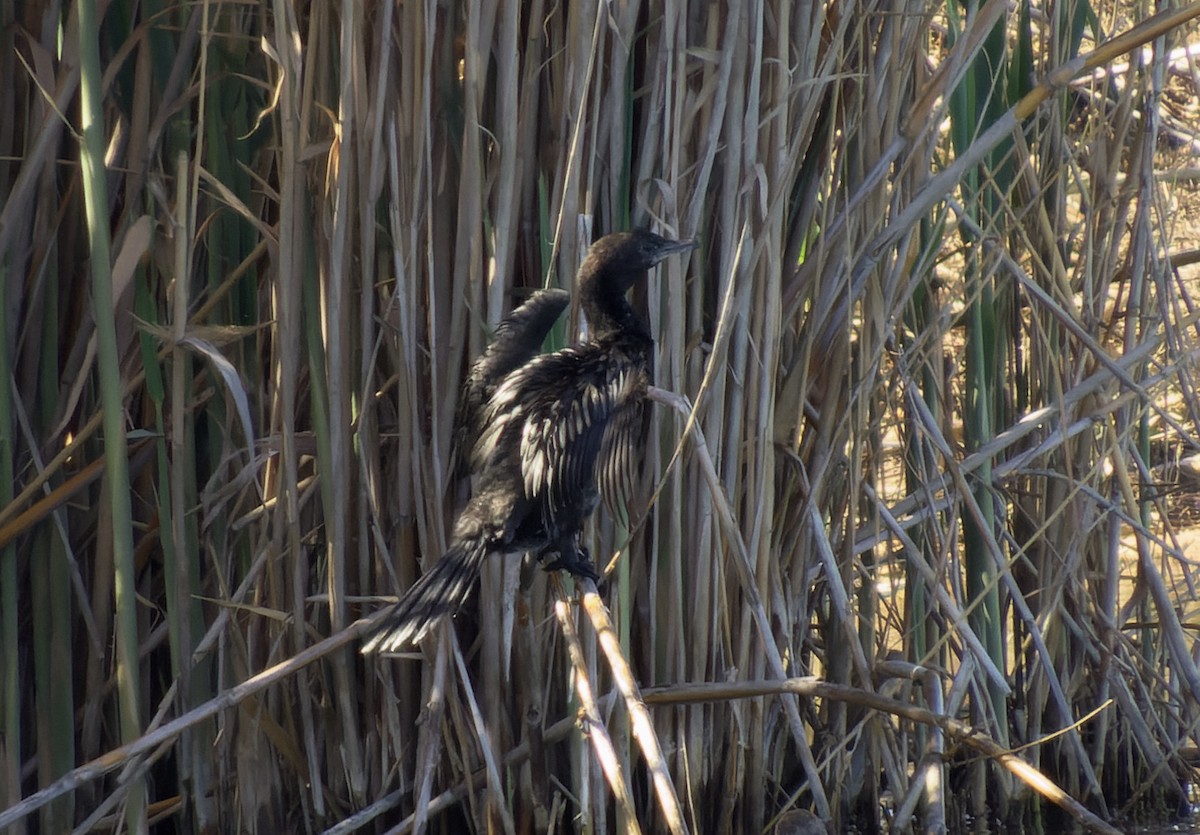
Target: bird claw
[{"x": 578, "y": 565}]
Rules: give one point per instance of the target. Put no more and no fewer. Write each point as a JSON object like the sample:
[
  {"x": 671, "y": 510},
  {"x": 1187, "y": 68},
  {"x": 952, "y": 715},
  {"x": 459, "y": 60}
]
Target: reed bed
[{"x": 906, "y": 550}]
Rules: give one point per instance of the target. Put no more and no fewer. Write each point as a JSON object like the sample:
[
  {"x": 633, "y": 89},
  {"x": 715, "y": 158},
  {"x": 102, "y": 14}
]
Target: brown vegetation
[{"x": 918, "y": 387}]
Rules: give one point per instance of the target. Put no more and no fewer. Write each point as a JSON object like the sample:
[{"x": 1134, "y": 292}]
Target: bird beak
[{"x": 673, "y": 247}]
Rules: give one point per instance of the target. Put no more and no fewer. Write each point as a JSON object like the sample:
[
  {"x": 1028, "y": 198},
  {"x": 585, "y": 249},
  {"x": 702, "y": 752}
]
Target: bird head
[
  {"x": 624, "y": 257},
  {"x": 614, "y": 264}
]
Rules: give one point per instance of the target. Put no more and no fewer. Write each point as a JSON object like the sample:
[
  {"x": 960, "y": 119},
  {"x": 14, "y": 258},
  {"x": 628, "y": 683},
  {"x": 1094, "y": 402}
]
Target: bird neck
[{"x": 608, "y": 312}]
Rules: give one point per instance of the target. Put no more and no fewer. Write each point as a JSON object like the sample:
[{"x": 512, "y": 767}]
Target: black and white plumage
[
  {"x": 517, "y": 339},
  {"x": 558, "y": 432}
]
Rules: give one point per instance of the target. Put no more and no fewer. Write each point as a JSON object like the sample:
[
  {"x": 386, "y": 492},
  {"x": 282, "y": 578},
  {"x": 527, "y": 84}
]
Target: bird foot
[{"x": 579, "y": 565}]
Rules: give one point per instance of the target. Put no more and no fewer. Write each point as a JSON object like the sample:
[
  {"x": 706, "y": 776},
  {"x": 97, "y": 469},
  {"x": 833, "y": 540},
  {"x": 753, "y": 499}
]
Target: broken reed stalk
[
  {"x": 960, "y": 731},
  {"x": 643, "y": 727},
  {"x": 127, "y": 754},
  {"x": 495, "y": 783},
  {"x": 594, "y": 729},
  {"x": 654, "y": 696},
  {"x": 746, "y": 575}
]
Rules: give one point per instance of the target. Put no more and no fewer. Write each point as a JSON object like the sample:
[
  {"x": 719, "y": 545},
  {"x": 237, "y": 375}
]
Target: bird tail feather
[{"x": 438, "y": 594}]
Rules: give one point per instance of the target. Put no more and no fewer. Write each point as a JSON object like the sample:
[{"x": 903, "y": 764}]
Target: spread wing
[
  {"x": 517, "y": 340},
  {"x": 576, "y": 415}
]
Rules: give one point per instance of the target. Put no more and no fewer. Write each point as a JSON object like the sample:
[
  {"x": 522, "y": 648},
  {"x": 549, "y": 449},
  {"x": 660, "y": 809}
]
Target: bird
[{"x": 556, "y": 434}]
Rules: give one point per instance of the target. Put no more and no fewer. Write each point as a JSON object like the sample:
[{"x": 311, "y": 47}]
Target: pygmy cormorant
[{"x": 556, "y": 434}]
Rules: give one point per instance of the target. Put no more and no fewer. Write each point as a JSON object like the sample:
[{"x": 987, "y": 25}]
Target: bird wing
[
  {"x": 621, "y": 451},
  {"x": 564, "y": 405},
  {"x": 518, "y": 339}
]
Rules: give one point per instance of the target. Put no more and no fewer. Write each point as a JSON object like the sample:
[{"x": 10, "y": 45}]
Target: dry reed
[{"x": 918, "y": 390}]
